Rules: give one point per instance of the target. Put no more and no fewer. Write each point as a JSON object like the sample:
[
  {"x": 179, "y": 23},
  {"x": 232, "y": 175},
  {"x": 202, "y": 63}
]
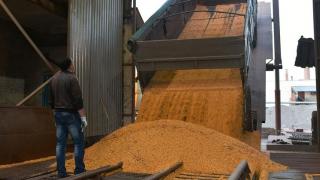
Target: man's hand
[{"x": 84, "y": 122}]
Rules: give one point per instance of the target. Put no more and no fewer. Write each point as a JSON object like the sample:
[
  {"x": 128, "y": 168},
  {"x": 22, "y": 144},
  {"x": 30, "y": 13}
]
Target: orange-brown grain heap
[{"x": 149, "y": 147}]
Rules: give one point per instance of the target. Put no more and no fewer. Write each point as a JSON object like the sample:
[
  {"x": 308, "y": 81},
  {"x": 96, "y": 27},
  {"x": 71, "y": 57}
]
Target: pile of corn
[{"x": 149, "y": 147}]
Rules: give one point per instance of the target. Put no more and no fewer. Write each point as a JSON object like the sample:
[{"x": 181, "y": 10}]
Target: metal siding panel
[
  {"x": 262, "y": 51},
  {"x": 95, "y": 38}
]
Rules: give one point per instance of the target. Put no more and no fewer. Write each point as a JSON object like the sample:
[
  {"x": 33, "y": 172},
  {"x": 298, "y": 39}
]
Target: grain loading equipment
[{"x": 157, "y": 46}]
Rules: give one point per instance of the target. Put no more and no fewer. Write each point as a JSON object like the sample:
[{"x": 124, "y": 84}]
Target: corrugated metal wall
[{"x": 95, "y": 45}]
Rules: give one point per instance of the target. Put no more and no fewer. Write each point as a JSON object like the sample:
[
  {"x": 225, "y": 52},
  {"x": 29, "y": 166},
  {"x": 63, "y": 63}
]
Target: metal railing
[{"x": 242, "y": 171}]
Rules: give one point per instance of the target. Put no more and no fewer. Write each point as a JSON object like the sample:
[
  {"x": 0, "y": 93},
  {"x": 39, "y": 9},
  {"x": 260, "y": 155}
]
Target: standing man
[{"x": 69, "y": 116}]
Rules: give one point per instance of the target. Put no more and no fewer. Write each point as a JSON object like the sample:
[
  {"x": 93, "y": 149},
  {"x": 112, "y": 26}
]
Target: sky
[{"x": 148, "y": 7}]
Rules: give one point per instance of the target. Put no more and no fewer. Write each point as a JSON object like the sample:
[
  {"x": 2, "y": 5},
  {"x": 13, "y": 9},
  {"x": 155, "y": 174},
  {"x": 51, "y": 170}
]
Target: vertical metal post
[
  {"x": 278, "y": 62},
  {"x": 134, "y": 16},
  {"x": 316, "y": 19},
  {"x": 133, "y": 63}
]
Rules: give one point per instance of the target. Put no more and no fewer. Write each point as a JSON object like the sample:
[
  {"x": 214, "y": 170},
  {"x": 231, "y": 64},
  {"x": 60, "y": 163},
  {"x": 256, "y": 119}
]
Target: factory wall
[
  {"x": 21, "y": 70},
  {"x": 95, "y": 45}
]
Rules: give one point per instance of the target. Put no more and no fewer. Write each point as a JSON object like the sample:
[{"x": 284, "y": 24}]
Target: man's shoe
[{"x": 62, "y": 175}]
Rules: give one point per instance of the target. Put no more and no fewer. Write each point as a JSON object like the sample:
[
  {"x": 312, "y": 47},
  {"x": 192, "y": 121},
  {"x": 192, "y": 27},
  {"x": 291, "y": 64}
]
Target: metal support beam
[
  {"x": 95, "y": 173},
  {"x": 316, "y": 18},
  {"x": 129, "y": 27},
  {"x": 241, "y": 172},
  {"x": 25, "y": 34},
  {"x": 133, "y": 67},
  {"x": 36, "y": 91},
  {"x": 134, "y": 16},
  {"x": 278, "y": 62},
  {"x": 165, "y": 172}
]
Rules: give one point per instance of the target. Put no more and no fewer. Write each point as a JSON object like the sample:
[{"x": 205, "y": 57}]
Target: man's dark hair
[{"x": 65, "y": 64}]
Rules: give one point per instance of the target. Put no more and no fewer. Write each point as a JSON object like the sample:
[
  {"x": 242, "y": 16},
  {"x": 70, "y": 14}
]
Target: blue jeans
[{"x": 67, "y": 122}]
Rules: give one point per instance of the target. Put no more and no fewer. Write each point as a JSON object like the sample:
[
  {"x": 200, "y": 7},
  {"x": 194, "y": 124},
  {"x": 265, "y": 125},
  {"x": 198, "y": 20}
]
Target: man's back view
[{"x": 69, "y": 116}]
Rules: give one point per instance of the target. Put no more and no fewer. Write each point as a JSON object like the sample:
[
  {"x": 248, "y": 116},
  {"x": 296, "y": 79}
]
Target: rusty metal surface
[
  {"x": 95, "y": 45},
  {"x": 26, "y": 133}
]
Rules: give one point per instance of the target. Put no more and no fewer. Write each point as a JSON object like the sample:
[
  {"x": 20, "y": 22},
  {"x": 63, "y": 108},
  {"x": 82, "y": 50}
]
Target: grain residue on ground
[{"x": 149, "y": 147}]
